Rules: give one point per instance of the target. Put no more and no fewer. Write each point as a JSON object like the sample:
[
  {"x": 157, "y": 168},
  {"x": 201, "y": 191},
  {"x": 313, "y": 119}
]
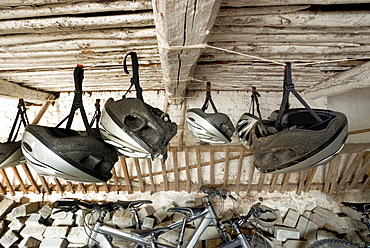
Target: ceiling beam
[
  {"x": 12, "y": 90},
  {"x": 182, "y": 24},
  {"x": 354, "y": 78}
]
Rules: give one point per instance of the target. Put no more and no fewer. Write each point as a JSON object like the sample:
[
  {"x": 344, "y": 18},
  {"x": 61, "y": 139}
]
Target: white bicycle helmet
[
  {"x": 68, "y": 154},
  {"x": 244, "y": 126},
  {"x": 135, "y": 128},
  {"x": 211, "y": 128},
  {"x": 10, "y": 151}
]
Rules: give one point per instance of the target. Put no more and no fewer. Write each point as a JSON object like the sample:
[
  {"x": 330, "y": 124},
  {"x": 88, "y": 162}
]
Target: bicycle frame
[{"x": 101, "y": 232}]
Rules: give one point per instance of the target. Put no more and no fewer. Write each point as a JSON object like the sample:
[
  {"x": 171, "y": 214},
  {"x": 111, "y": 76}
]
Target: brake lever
[{"x": 233, "y": 198}]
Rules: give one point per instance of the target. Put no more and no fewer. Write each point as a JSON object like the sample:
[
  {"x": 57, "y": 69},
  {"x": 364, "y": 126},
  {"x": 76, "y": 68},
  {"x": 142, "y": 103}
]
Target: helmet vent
[
  {"x": 27, "y": 146},
  {"x": 134, "y": 123}
]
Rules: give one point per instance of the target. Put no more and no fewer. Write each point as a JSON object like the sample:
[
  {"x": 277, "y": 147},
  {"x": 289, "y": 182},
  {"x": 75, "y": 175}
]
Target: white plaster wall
[{"x": 355, "y": 105}]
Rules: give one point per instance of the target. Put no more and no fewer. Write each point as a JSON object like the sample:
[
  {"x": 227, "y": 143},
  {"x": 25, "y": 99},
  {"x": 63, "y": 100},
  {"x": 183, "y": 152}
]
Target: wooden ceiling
[{"x": 235, "y": 44}]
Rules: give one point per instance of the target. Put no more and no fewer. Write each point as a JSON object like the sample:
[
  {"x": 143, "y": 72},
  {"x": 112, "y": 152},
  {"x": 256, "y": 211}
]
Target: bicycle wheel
[
  {"x": 256, "y": 241},
  {"x": 333, "y": 243}
]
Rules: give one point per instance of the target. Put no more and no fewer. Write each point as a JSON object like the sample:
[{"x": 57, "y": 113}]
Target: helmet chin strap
[
  {"x": 208, "y": 99},
  {"x": 289, "y": 87},
  {"x": 135, "y": 75},
  {"x": 77, "y": 101},
  {"x": 23, "y": 120}
]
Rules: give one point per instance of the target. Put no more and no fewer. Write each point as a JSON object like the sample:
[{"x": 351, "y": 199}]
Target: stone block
[
  {"x": 35, "y": 231},
  {"x": 148, "y": 222},
  {"x": 353, "y": 237},
  {"x": 307, "y": 214},
  {"x": 210, "y": 233},
  {"x": 73, "y": 245},
  {"x": 301, "y": 225},
  {"x": 160, "y": 215},
  {"x": 330, "y": 217},
  {"x": 45, "y": 211},
  {"x": 212, "y": 242},
  {"x": 63, "y": 222},
  {"x": 29, "y": 242},
  {"x": 35, "y": 219},
  {"x": 170, "y": 205},
  {"x": 25, "y": 209},
  {"x": 170, "y": 237},
  {"x": 146, "y": 211},
  {"x": 348, "y": 223},
  {"x": 323, "y": 234},
  {"x": 291, "y": 218},
  {"x": 351, "y": 213},
  {"x": 6, "y": 205},
  {"x": 283, "y": 233},
  {"x": 124, "y": 219},
  {"x": 61, "y": 215},
  {"x": 296, "y": 244},
  {"x": 2, "y": 225},
  {"x": 56, "y": 232},
  {"x": 120, "y": 243},
  {"x": 9, "y": 238},
  {"x": 9, "y": 217},
  {"x": 310, "y": 232},
  {"x": 53, "y": 243},
  {"x": 17, "y": 224},
  {"x": 314, "y": 217},
  {"x": 77, "y": 235}
]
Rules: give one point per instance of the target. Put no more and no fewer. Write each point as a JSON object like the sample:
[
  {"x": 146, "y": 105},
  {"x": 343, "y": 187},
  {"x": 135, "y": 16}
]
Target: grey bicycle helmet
[
  {"x": 297, "y": 139},
  {"x": 68, "y": 154},
  {"x": 211, "y": 128},
  {"x": 134, "y": 127},
  {"x": 10, "y": 151}
]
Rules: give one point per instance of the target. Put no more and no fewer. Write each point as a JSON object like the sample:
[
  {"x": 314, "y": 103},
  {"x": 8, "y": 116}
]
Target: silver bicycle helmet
[
  {"x": 10, "y": 151},
  {"x": 297, "y": 139},
  {"x": 134, "y": 127},
  {"x": 211, "y": 128},
  {"x": 68, "y": 154}
]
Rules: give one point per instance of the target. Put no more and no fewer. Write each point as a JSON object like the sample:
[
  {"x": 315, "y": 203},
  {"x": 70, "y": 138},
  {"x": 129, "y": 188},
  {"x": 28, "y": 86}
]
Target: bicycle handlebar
[{"x": 223, "y": 193}]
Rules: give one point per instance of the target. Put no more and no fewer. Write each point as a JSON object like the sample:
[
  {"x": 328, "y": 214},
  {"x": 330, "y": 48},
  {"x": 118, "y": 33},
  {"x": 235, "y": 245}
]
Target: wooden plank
[
  {"x": 70, "y": 186},
  {"x": 227, "y": 167},
  {"x": 251, "y": 174},
  {"x": 333, "y": 183},
  {"x": 311, "y": 175},
  {"x": 302, "y": 180},
  {"x": 360, "y": 172},
  {"x": 190, "y": 26},
  {"x": 212, "y": 166},
  {"x": 115, "y": 178},
  {"x": 7, "y": 181},
  {"x": 176, "y": 169},
  {"x": 164, "y": 174},
  {"x": 45, "y": 185},
  {"x": 350, "y": 170},
  {"x": 139, "y": 174},
  {"x": 285, "y": 182},
  {"x": 199, "y": 168},
  {"x": 267, "y": 3},
  {"x": 83, "y": 188},
  {"x": 273, "y": 182},
  {"x": 150, "y": 169},
  {"x": 17, "y": 175},
  {"x": 366, "y": 183},
  {"x": 106, "y": 187},
  {"x": 126, "y": 175},
  {"x": 351, "y": 79},
  {"x": 239, "y": 171},
  {"x": 95, "y": 188},
  {"x": 30, "y": 178},
  {"x": 329, "y": 174},
  {"x": 261, "y": 181},
  {"x": 72, "y": 9},
  {"x": 71, "y": 23},
  {"x": 2, "y": 190},
  {"x": 181, "y": 127},
  {"x": 59, "y": 185},
  {"x": 187, "y": 170}
]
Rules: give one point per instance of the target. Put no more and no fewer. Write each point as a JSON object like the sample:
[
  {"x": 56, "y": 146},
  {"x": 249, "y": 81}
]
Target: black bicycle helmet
[
  {"x": 134, "y": 127},
  {"x": 211, "y": 128},
  {"x": 10, "y": 151},
  {"x": 68, "y": 154},
  {"x": 297, "y": 139}
]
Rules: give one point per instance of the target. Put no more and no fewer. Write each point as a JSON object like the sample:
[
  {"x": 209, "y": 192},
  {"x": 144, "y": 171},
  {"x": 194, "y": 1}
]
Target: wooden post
[
  {"x": 83, "y": 188},
  {"x": 251, "y": 174},
  {"x": 115, "y": 178},
  {"x": 181, "y": 126},
  {"x": 273, "y": 182},
  {"x": 311, "y": 175},
  {"x": 126, "y": 175},
  {"x": 59, "y": 185},
  {"x": 176, "y": 169},
  {"x": 16, "y": 174},
  {"x": 227, "y": 167},
  {"x": 187, "y": 169},
  {"x": 329, "y": 174},
  {"x": 260, "y": 183},
  {"x": 138, "y": 171},
  {"x": 164, "y": 174},
  {"x": 199, "y": 168},
  {"x": 71, "y": 188},
  {"x": 360, "y": 172},
  {"x": 45, "y": 185},
  {"x": 30, "y": 177},
  {"x": 150, "y": 169},
  {"x": 350, "y": 170},
  {"x": 212, "y": 167},
  {"x": 8, "y": 184},
  {"x": 239, "y": 170},
  {"x": 334, "y": 178},
  {"x": 285, "y": 183},
  {"x": 302, "y": 180}
]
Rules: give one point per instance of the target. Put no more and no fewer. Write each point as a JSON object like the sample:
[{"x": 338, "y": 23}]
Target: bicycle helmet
[
  {"x": 68, "y": 154},
  {"x": 134, "y": 127},
  {"x": 211, "y": 128},
  {"x": 298, "y": 139},
  {"x": 10, "y": 151}
]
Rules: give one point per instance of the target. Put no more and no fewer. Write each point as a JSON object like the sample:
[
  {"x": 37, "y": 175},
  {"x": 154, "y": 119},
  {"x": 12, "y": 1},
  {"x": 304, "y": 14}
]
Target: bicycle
[
  {"x": 101, "y": 234},
  {"x": 364, "y": 210}
]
